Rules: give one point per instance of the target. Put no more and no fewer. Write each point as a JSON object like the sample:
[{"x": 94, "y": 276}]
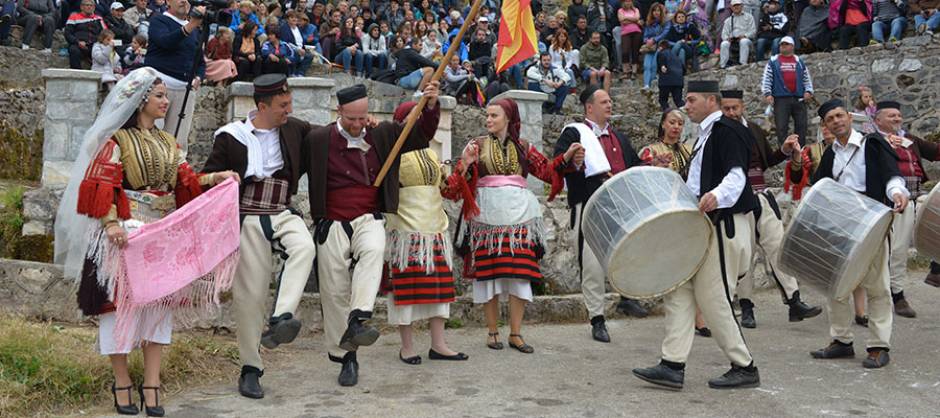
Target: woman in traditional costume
[
  {"x": 128, "y": 173},
  {"x": 418, "y": 254},
  {"x": 503, "y": 237}
]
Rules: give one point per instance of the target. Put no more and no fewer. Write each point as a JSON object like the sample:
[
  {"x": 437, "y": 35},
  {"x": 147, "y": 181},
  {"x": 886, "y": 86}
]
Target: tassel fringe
[{"x": 403, "y": 247}]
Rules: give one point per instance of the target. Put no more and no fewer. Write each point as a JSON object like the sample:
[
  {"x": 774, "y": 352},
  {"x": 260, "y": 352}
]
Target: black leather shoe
[
  {"x": 434, "y": 355},
  {"x": 737, "y": 378},
  {"x": 281, "y": 330},
  {"x": 902, "y": 307},
  {"x": 599, "y": 329},
  {"x": 662, "y": 375},
  {"x": 834, "y": 350},
  {"x": 800, "y": 310},
  {"x": 357, "y": 335},
  {"x": 747, "y": 314},
  {"x": 349, "y": 374},
  {"x": 630, "y": 307},
  {"x": 248, "y": 384},
  {"x": 877, "y": 358}
]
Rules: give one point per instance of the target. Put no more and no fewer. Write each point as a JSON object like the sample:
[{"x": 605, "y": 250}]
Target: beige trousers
[
  {"x": 769, "y": 238},
  {"x": 593, "y": 284},
  {"x": 263, "y": 237},
  {"x": 902, "y": 233},
  {"x": 880, "y": 306},
  {"x": 171, "y": 120},
  {"x": 350, "y": 271},
  {"x": 713, "y": 298}
]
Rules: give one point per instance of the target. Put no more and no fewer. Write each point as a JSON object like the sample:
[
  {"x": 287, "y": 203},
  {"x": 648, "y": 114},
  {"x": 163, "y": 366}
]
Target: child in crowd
[
  {"x": 865, "y": 105},
  {"x": 134, "y": 55},
  {"x": 105, "y": 60}
]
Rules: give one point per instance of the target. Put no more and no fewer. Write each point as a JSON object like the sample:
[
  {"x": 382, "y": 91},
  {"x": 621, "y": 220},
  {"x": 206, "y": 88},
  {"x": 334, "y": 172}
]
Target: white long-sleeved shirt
[
  {"x": 731, "y": 187},
  {"x": 853, "y": 169},
  {"x": 739, "y": 26},
  {"x": 537, "y": 74}
]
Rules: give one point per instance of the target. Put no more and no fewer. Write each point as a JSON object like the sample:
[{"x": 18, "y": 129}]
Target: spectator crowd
[{"x": 403, "y": 41}]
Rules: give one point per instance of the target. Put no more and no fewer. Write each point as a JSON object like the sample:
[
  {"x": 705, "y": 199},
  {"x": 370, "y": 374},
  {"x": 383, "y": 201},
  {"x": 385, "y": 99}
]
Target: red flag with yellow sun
[{"x": 517, "y": 39}]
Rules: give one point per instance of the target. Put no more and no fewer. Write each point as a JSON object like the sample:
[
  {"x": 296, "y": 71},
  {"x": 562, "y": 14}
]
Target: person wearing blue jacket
[
  {"x": 291, "y": 34},
  {"x": 787, "y": 86},
  {"x": 245, "y": 13},
  {"x": 7, "y": 15},
  {"x": 654, "y": 28},
  {"x": 682, "y": 35},
  {"x": 671, "y": 71},
  {"x": 277, "y": 56},
  {"x": 171, "y": 49}
]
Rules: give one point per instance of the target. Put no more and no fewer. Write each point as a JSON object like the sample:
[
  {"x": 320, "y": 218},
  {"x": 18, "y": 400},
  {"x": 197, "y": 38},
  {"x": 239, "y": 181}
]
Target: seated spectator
[
  {"x": 395, "y": 45},
  {"x": 548, "y": 32},
  {"x": 318, "y": 15},
  {"x": 432, "y": 48},
  {"x": 682, "y": 35},
  {"x": 580, "y": 35},
  {"x": 137, "y": 17},
  {"x": 105, "y": 60},
  {"x": 7, "y": 13},
  {"x": 413, "y": 71},
  {"x": 37, "y": 14},
  {"x": 277, "y": 55},
  {"x": 813, "y": 31},
  {"x": 421, "y": 29},
  {"x": 739, "y": 29},
  {"x": 773, "y": 26},
  {"x": 394, "y": 15},
  {"x": 368, "y": 19},
  {"x": 595, "y": 62},
  {"x": 483, "y": 24},
  {"x": 457, "y": 78},
  {"x": 851, "y": 18},
  {"x": 134, "y": 54},
  {"x": 329, "y": 35},
  {"x": 671, "y": 76},
  {"x": 546, "y": 78},
  {"x": 245, "y": 14},
  {"x": 220, "y": 68},
  {"x": 654, "y": 30},
  {"x": 348, "y": 47},
  {"x": 672, "y": 6},
  {"x": 291, "y": 34},
  {"x": 481, "y": 54},
  {"x": 374, "y": 50},
  {"x": 406, "y": 33},
  {"x": 564, "y": 56},
  {"x": 123, "y": 32},
  {"x": 926, "y": 18},
  {"x": 865, "y": 104},
  {"x": 81, "y": 31},
  {"x": 576, "y": 10},
  {"x": 462, "y": 50},
  {"x": 562, "y": 18},
  {"x": 888, "y": 14},
  {"x": 310, "y": 32},
  {"x": 246, "y": 52},
  {"x": 158, "y": 7}
]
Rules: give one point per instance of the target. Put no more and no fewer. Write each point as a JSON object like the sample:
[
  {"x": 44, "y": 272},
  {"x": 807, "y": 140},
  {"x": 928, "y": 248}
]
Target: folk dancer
[{"x": 268, "y": 151}]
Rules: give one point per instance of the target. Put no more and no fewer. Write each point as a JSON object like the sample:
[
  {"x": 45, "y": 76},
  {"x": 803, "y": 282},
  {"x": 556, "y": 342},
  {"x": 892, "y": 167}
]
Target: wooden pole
[{"x": 416, "y": 111}]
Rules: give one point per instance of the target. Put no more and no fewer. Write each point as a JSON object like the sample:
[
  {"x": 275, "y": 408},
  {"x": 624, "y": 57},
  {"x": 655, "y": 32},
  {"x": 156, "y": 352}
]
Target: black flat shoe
[
  {"x": 861, "y": 320},
  {"x": 434, "y": 355},
  {"x": 495, "y": 344},
  {"x": 357, "y": 335},
  {"x": 703, "y": 331},
  {"x": 281, "y": 330},
  {"x": 632, "y": 308},
  {"x": 599, "y": 329},
  {"x": 662, "y": 375},
  {"x": 523, "y": 348},
  {"x": 248, "y": 384},
  {"x": 747, "y": 314},
  {"x": 736, "y": 378},
  {"x": 413, "y": 360},
  {"x": 152, "y": 411},
  {"x": 349, "y": 374},
  {"x": 834, "y": 350},
  {"x": 129, "y": 409}
]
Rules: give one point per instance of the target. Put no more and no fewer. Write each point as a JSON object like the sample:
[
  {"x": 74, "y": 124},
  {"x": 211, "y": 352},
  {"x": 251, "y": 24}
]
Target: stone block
[
  {"x": 41, "y": 204},
  {"x": 882, "y": 65},
  {"x": 910, "y": 65},
  {"x": 239, "y": 89},
  {"x": 37, "y": 290},
  {"x": 76, "y": 137},
  {"x": 55, "y": 144},
  {"x": 37, "y": 228},
  {"x": 55, "y": 174}
]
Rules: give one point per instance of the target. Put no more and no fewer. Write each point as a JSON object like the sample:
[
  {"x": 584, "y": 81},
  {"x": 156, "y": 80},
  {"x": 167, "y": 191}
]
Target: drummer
[
  {"x": 717, "y": 174},
  {"x": 582, "y": 180},
  {"x": 868, "y": 165},
  {"x": 911, "y": 151},
  {"x": 769, "y": 222}
]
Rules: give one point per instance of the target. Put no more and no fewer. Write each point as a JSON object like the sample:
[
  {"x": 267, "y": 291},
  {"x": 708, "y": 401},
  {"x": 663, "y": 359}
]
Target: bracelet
[{"x": 111, "y": 223}]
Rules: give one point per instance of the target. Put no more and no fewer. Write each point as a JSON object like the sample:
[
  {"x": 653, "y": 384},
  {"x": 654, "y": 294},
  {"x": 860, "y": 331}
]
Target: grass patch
[
  {"x": 47, "y": 368},
  {"x": 453, "y": 323}
]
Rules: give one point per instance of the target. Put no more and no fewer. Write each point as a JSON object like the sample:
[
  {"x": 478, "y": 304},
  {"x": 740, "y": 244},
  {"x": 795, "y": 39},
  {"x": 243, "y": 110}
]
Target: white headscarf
[{"x": 73, "y": 230}]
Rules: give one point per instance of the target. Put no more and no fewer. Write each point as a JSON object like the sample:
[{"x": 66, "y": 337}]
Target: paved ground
[{"x": 571, "y": 375}]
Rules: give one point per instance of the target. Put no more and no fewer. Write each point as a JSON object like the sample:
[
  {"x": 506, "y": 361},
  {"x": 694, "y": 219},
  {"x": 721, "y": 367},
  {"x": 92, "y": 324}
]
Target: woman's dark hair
[
  {"x": 662, "y": 119},
  {"x": 249, "y": 26},
  {"x": 131, "y": 122}
]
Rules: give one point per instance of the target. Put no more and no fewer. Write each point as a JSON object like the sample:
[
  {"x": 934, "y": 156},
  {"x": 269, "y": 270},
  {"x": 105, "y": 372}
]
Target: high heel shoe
[
  {"x": 129, "y": 409},
  {"x": 152, "y": 411}
]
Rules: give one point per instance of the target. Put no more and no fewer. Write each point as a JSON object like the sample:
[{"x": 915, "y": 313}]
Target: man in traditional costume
[
  {"x": 868, "y": 165},
  {"x": 717, "y": 174},
  {"x": 344, "y": 161},
  {"x": 769, "y": 221},
  {"x": 268, "y": 150},
  {"x": 911, "y": 150},
  {"x": 606, "y": 152}
]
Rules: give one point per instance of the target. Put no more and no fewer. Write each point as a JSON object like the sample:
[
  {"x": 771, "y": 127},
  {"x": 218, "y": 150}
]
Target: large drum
[
  {"x": 927, "y": 226},
  {"x": 645, "y": 228},
  {"x": 834, "y": 237}
]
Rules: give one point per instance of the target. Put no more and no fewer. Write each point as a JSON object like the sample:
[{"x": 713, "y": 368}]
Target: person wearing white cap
[
  {"x": 740, "y": 29},
  {"x": 787, "y": 85},
  {"x": 116, "y": 23}
]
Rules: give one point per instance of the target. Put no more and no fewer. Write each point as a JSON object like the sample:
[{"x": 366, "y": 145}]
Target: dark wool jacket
[
  {"x": 763, "y": 152},
  {"x": 729, "y": 145},
  {"x": 581, "y": 188}
]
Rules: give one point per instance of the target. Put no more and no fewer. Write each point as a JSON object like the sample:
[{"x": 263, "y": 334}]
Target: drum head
[
  {"x": 661, "y": 254},
  {"x": 927, "y": 226}
]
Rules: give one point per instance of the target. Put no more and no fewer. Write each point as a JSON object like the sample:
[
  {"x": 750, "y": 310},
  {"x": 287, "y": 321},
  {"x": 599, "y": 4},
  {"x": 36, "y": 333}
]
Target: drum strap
[
  {"x": 724, "y": 272},
  {"x": 851, "y": 157}
]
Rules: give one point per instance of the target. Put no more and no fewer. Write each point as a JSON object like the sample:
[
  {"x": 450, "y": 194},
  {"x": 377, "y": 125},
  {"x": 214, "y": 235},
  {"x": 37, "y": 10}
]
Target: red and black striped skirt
[
  {"x": 413, "y": 285},
  {"x": 521, "y": 262}
]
